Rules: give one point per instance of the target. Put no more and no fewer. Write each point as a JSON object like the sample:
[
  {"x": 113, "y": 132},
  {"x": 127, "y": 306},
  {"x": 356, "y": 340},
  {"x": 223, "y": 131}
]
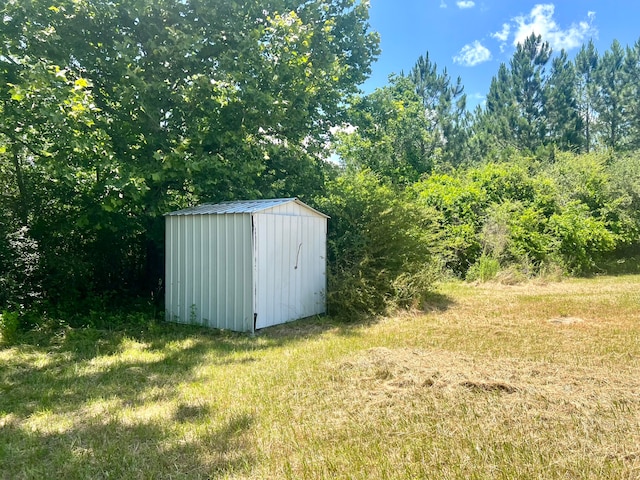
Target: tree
[
  {"x": 528, "y": 81},
  {"x": 445, "y": 107},
  {"x": 493, "y": 126},
  {"x": 610, "y": 107},
  {"x": 586, "y": 64},
  {"x": 515, "y": 114},
  {"x": 151, "y": 105},
  {"x": 631, "y": 95},
  {"x": 392, "y": 134},
  {"x": 563, "y": 119}
]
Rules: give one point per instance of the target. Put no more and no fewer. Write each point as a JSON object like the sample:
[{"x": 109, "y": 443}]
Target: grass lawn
[{"x": 492, "y": 381}]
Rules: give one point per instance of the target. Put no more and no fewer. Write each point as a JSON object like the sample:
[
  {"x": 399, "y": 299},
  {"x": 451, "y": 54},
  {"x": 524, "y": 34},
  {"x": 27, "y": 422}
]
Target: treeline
[
  {"x": 538, "y": 103},
  {"x": 112, "y": 114},
  {"x": 544, "y": 178}
]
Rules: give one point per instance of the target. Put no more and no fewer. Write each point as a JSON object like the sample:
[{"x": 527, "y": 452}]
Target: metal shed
[{"x": 245, "y": 265}]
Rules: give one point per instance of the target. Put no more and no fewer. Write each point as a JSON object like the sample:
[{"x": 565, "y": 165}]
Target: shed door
[{"x": 279, "y": 270}]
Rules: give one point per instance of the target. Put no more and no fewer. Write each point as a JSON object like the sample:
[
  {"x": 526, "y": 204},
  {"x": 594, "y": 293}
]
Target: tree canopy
[{"x": 114, "y": 113}]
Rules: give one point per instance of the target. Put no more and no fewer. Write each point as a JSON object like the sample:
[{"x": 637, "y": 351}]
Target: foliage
[
  {"x": 391, "y": 134},
  {"x": 115, "y": 113},
  {"x": 410, "y": 128},
  {"x": 485, "y": 269},
  {"x": 148, "y": 106},
  {"x": 583, "y": 238},
  {"x": 9, "y": 327},
  {"x": 20, "y": 276},
  {"x": 379, "y": 246},
  {"x": 457, "y": 205},
  {"x": 573, "y": 212}
]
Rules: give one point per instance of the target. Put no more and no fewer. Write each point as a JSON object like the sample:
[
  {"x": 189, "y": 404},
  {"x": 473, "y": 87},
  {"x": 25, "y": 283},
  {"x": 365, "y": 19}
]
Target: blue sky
[{"x": 472, "y": 37}]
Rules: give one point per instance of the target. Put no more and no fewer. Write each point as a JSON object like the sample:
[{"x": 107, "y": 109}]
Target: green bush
[
  {"x": 582, "y": 239},
  {"x": 9, "y": 327},
  {"x": 485, "y": 269},
  {"x": 378, "y": 246},
  {"x": 456, "y": 207}
]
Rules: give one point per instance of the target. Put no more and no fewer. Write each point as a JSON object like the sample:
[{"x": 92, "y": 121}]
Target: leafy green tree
[
  {"x": 114, "y": 113},
  {"x": 391, "y": 135}
]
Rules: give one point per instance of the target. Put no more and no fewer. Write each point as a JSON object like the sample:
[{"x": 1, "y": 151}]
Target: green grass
[{"x": 491, "y": 381}]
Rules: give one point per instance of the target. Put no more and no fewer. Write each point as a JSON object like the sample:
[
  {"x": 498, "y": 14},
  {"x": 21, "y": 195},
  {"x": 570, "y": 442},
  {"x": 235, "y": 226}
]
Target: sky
[{"x": 472, "y": 37}]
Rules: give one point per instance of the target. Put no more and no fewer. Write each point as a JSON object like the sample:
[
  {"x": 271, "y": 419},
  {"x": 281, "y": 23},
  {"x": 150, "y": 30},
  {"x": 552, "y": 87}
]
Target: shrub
[
  {"x": 9, "y": 327},
  {"x": 485, "y": 269},
  {"x": 19, "y": 269},
  {"x": 378, "y": 246},
  {"x": 583, "y": 239}
]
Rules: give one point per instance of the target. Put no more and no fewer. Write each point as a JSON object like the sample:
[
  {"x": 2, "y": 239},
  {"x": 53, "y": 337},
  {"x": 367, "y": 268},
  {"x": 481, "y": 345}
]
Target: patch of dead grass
[{"x": 555, "y": 413}]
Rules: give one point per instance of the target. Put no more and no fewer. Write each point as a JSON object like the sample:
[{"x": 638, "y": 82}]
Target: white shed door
[{"x": 289, "y": 268}]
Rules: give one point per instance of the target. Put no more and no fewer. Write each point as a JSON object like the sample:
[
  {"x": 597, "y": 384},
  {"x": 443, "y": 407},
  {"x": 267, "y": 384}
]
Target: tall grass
[{"x": 491, "y": 381}]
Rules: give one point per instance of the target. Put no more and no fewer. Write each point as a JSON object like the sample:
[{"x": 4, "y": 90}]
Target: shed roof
[{"x": 241, "y": 206}]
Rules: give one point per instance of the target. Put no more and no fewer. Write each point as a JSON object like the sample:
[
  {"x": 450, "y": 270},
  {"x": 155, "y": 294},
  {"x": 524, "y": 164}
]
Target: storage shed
[{"x": 245, "y": 265}]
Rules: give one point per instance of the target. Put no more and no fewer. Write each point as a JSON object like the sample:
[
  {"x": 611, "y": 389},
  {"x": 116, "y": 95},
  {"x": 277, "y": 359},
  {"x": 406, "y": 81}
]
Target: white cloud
[
  {"x": 540, "y": 21},
  {"x": 502, "y": 35},
  {"x": 465, "y": 3},
  {"x": 443, "y": 4},
  {"x": 472, "y": 54},
  {"x": 475, "y": 99}
]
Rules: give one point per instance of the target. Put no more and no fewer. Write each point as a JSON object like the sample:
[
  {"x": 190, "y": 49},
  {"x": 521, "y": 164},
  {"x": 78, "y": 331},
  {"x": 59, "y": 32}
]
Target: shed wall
[
  {"x": 209, "y": 270},
  {"x": 290, "y": 264}
]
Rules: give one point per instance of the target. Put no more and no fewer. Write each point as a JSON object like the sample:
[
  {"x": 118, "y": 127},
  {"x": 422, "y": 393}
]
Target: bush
[
  {"x": 9, "y": 327},
  {"x": 378, "y": 244},
  {"x": 485, "y": 269},
  {"x": 583, "y": 239},
  {"x": 19, "y": 269}
]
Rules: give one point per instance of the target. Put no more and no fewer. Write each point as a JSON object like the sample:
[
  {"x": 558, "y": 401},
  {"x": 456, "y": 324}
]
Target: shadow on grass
[
  {"x": 66, "y": 377},
  {"x": 86, "y": 364},
  {"x": 65, "y": 373},
  {"x": 118, "y": 450},
  {"x": 437, "y": 302}
]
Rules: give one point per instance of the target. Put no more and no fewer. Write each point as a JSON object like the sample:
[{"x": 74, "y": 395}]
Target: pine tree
[
  {"x": 586, "y": 63},
  {"x": 609, "y": 103},
  {"x": 564, "y": 122},
  {"x": 528, "y": 79},
  {"x": 445, "y": 107}
]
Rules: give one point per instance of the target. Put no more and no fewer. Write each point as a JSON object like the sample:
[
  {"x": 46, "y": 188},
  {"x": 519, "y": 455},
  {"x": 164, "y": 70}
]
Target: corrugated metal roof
[{"x": 240, "y": 206}]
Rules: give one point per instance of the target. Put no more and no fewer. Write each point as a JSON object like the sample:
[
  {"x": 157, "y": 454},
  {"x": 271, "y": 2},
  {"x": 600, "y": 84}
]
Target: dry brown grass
[
  {"x": 492, "y": 381},
  {"x": 526, "y": 381}
]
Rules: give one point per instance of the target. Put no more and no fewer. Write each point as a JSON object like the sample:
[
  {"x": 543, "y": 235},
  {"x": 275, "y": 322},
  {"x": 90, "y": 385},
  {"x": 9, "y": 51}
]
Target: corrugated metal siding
[
  {"x": 224, "y": 267},
  {"x": 209, "y": 270},
  {"x": 290, "y": 265}
]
